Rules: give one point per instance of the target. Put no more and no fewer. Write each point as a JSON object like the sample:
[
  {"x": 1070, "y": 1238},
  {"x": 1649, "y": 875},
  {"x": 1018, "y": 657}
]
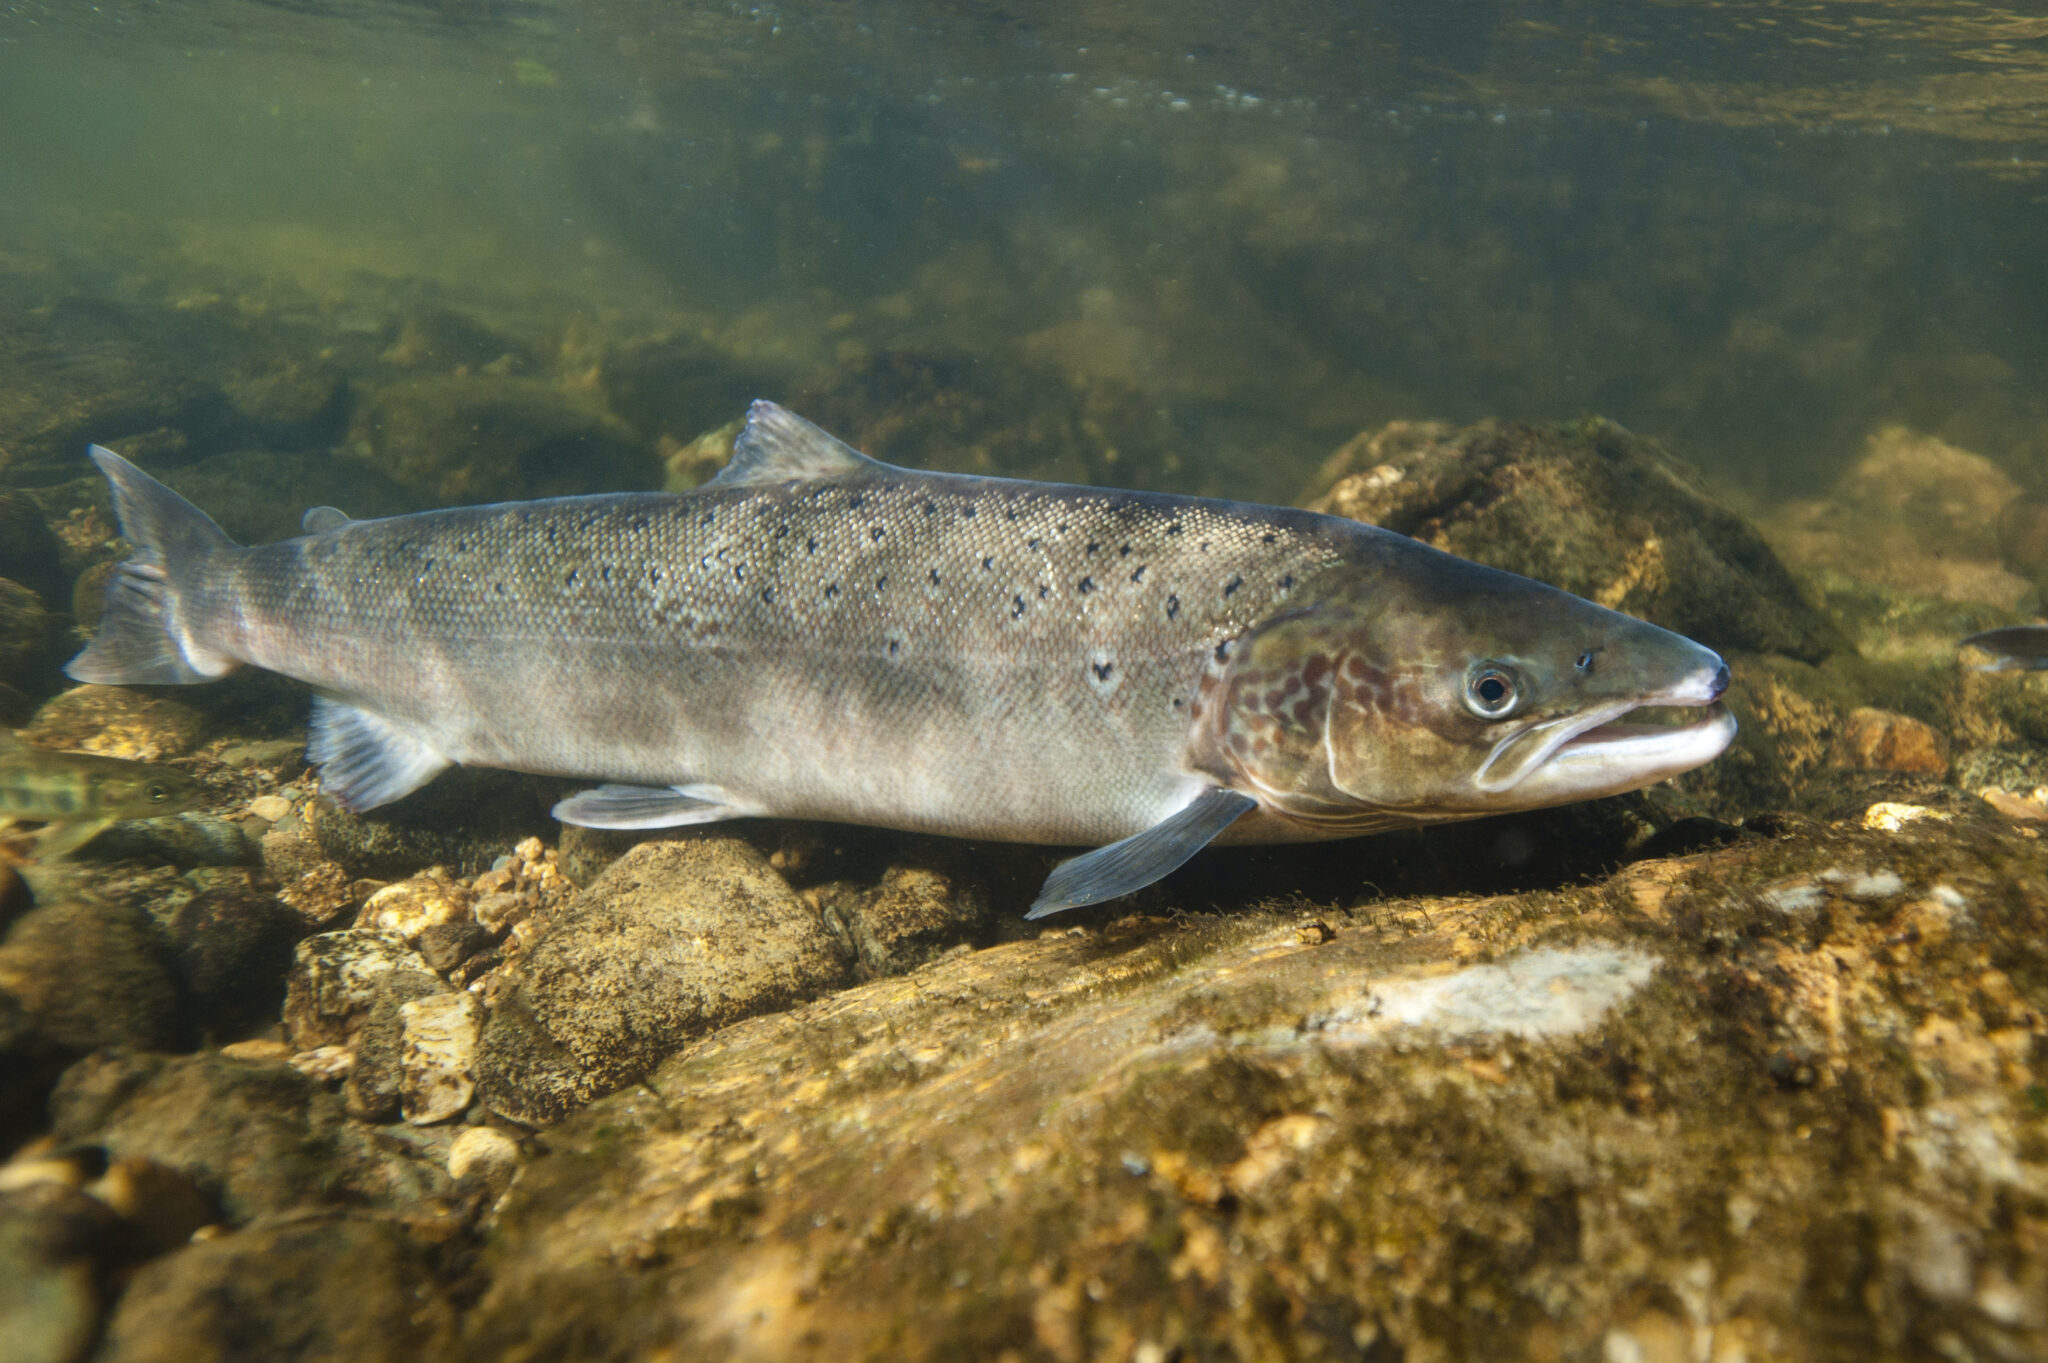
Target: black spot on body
[
  {"x": 881, "y": 582},
  {"x": 1086, "y": 585},
  {"x": 857, "y": 500},
  {"x": 967, "y": 514},
  {"x": 1016, "y": 608},
  {"x": 1230, "y": 588},
  {"x": 1043, "y": 591},
  {"x": 1139, "y": 574},
  {"x": 1173, "y": 607},
  {"x": 930, "y": 508},
  {"x": 810, "y": 546},
  {"x": 768, "y": 595},
  {"x": 1102, "y": 670},
  {"x": 1267, "y": 538},
  {"x": 877, "y": 532},
  {"x": 570, "y": 580},
  {"x": 935, "y": 577},
  {"x": 1032, "y": 543},
  {"x": 895, "y": 647},
  {"x": 709, "y": 517},
  {"x": 1287, "y": 583},
  {"x": 1223, "y": 651},
  {"x": 1093, "y": 546},
  {"x": 832, "y": 590},
  {"x": 988, "y": 565},
  {"x": 1173, "y": 529},
  {"x": 1124, "y": 552}
]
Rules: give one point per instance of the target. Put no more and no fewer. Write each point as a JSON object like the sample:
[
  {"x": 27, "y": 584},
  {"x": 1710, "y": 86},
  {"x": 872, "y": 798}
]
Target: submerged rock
[
  {"x": 52, "y": 1241},
  {"x": 115, "y": 721},
  {"x": 78, "y": 976},
  {"x": 1672, "y": 1111},
  {"x": 334, "y": 979},
  {"x": 463, "y": 820},
  {"x": 255, "y": 1138},
  {"x": 1915, "y": 515},
  {"x": 29, "y": 644},
  {"x": 327, "y": 1287},
  {"x": 483, "y": 438},
  {"x": 1588, "y": 507},
  {"x": 675, "y": 939},
  {"x": 439, "y": 1035},
  {"x": 231, "y": 946}
]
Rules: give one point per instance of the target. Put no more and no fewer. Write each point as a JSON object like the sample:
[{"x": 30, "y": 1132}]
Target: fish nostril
[{"x": 1719, "y": 684}]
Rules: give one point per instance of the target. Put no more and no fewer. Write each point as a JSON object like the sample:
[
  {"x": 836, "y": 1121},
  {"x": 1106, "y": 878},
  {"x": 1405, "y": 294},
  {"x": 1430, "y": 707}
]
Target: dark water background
[{"x": 1222, "y": 239}]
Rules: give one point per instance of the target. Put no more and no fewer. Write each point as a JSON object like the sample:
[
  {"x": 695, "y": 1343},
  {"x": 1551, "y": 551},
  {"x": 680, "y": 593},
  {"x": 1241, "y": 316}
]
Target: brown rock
[
  {"x": 1881, "y": 740},
  {"x": 334, "y": 977},
  {"x": 675, "y": 939},
  {"x": 254, "y": 1138},
  {"x": 1916, "y": 515},
  {"x": 375, "y": 1089},
  {"x": 327, "y": 1288},
  {"x": 1588, "y": 507},
  {"x": 116, "y": 722}
]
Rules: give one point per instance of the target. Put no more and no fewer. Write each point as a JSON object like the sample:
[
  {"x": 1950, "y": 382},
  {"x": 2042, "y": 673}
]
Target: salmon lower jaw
[{"x": 1620, "y": 756}]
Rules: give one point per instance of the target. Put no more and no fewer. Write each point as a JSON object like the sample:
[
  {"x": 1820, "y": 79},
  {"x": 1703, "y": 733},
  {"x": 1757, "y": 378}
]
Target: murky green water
[{"x": 1755, "y": 231}]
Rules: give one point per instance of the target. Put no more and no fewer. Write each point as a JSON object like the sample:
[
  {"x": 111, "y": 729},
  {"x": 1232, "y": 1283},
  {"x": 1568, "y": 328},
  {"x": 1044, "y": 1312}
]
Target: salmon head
[{"x": 1450, "y": 694}]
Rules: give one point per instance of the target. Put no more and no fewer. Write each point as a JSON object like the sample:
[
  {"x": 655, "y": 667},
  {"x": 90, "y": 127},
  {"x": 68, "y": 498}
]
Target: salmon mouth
[
  {"x": 1639, "y": 750},
  {"x": 1654, "y": 736}
]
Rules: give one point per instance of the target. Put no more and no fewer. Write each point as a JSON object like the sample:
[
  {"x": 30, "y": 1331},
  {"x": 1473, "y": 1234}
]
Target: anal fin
[
  {"x": 628, "y": 807},
  {"x": 1142, "y": 858},
  {"x": 365, "y": 760}
]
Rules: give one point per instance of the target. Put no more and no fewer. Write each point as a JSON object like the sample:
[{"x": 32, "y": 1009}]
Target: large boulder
[
  {"x": 1776, "y": 1099},
  {"x": 1588, "y": 507}
]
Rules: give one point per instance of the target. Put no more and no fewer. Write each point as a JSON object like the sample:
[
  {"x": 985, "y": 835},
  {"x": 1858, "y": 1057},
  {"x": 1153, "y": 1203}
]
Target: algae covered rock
[
  {"x": 1779, "y": 1099},
  {"x": 29, "y": 644},
  {"x": 462, "y": 819},
  {"x": 254, "y": 1137},
  {"x": 1588, "y": 507},
  {"x": 115, "y": 721},
  {"x": 333, "y": 1287},
  {"x": 676, "y": 938},
  {"x": 482, "y": 438},
  {"x": 52, "y": 1240},
  {"x": 84, "y": 975}
]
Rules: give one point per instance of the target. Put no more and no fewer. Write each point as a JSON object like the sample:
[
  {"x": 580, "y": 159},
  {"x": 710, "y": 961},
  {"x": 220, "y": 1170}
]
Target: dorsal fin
[
  {"x": 778, "y": 446},
  {"x": 321, "y": 518}
]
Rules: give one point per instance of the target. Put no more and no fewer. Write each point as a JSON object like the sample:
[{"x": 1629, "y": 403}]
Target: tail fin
[{"x": 144, "y": 635}]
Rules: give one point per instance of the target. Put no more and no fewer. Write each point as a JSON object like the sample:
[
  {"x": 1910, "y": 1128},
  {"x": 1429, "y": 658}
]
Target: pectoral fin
[
  {"x": 615, "y": 806},
  {"x": 60, "y": 840},
  {"x": 1142, "y": 858}
]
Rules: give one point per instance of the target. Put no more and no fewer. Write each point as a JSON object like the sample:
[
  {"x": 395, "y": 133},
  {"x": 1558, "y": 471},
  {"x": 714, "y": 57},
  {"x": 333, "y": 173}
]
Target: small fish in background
[
  {"x": 816, "y": 635},
  {"x": 2016, "y": 648},
  {"x": 79, "y": 795}
]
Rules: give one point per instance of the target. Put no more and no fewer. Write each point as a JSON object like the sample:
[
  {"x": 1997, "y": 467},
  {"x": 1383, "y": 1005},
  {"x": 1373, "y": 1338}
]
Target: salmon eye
[
  {"x": 1491, "y": 691},
  {"x": 157, "y": 792}
]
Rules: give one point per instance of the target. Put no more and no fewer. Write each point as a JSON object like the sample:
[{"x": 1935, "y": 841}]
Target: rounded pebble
[
  {"x": 270, "y": 808},
  {"x": 483, "y": 1151}
]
